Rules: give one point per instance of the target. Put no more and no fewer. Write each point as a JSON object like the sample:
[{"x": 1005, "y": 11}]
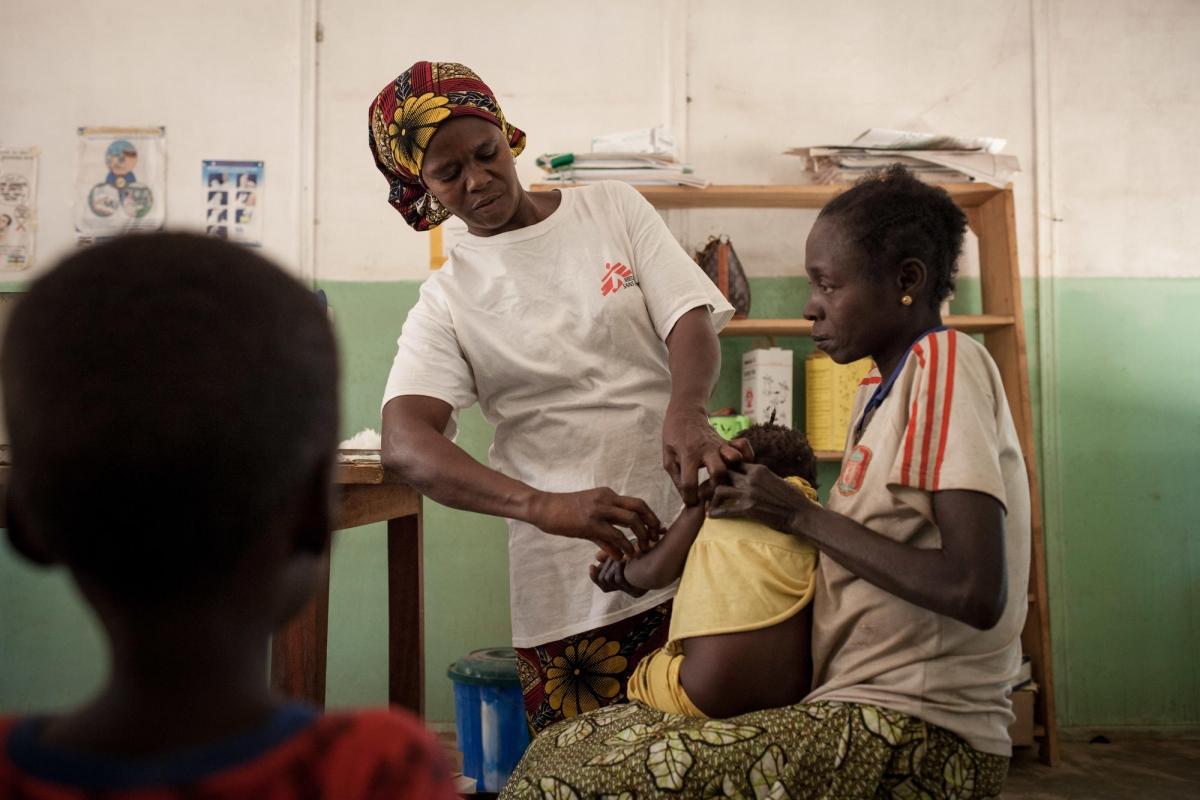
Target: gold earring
[{"x": 906, "y": 300}]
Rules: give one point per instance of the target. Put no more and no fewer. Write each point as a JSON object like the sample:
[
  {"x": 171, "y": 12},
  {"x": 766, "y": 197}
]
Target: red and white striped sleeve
[{"x": 951, "y": 439}]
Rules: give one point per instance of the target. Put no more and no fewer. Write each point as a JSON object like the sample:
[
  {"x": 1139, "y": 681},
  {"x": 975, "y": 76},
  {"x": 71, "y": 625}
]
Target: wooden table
[{"x": 365, "y": 494}]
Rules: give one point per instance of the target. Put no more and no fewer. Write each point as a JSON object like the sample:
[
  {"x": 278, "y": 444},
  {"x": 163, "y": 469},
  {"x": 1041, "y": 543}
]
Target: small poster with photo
[
  {"x": 233, "y": 200},
  {"x": 18, "y": 207},
  {"x": 120, "y": 181}
]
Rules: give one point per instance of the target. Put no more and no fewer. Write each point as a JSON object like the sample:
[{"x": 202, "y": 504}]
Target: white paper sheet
[{"x": 889, "y": 139}]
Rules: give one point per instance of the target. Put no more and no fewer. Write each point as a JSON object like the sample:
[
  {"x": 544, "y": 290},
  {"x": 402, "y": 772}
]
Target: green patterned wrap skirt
[{"x": 806, "y": 751}]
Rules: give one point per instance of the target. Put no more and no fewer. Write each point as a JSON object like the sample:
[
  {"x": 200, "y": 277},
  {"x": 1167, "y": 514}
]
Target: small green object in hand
[{"x": 730, "y": 426}]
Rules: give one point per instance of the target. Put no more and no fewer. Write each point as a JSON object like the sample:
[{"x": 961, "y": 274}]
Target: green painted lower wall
[
  {"x": 1119, "y": 460},
  {"x": 51, "y": 649},
  {"x": 461, "y": 549},
  {"x": 1122, "y": 504}
]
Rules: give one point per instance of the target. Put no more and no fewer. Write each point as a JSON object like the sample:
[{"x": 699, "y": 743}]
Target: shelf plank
[
  {"x": 967, "y": 323},
  {"x": 966, "y": 195},
  {"x": 828, "y": 455}
]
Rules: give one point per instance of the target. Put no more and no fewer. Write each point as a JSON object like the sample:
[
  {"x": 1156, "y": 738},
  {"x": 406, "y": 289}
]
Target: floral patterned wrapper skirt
[
  {"x": 803, "y": 752},
  {"x": 589, "y": 670}
]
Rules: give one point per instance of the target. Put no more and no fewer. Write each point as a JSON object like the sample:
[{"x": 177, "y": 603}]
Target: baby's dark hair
[
  {"x": 784, "y": 451},
  {"x": 892, "y": 216},
  {"x": 166, "y": 395}
]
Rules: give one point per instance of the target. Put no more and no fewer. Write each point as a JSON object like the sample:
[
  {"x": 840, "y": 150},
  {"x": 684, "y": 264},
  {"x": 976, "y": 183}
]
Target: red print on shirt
[
  {"x": 616, "y": 276},
  {"x": 854, "y": 470}
]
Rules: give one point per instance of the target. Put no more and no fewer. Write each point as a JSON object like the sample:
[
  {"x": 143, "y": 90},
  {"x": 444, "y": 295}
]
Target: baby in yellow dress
[{"x": 740, "y": 628}]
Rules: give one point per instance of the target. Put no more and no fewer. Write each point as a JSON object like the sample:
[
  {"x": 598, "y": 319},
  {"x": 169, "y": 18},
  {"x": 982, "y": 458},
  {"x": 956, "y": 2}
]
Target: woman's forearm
[
  {"x": 964, "y": 578},
  {"x": 416, "y": 451},
  {"x": 694, "y": 359},
  {"x": 447, "y": 474},
  {"x": 967, "y": 586},
  {"x": 689, "y": 442}
]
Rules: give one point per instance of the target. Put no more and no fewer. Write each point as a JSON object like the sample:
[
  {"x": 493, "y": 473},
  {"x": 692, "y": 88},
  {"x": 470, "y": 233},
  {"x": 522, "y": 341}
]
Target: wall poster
[
  {"x": 234, "y": 200},
  {"x": 18, "y": 207},
  {"x": 121, "y": 181}
]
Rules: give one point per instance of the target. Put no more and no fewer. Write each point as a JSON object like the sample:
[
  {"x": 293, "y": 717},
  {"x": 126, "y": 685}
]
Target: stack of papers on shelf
[
  {"x": 645, "y": 141},
  {"x": 645, "y": 156},
  {"x": 591, "y": 167},
  {"x": 931, "y": 157}
]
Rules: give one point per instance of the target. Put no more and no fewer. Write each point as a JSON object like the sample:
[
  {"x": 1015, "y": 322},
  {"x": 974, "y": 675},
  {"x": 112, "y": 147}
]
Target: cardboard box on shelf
[
  {"x": 1021, "y": 729},
  {"x": 767, "y": 386}
]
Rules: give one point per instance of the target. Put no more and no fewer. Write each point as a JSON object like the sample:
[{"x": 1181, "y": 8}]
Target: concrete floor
[{"x": 1124, "y": 770}]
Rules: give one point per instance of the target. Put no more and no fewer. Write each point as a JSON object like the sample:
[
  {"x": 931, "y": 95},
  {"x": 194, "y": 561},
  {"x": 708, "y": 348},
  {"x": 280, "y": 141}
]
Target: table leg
[
  {"x": 406, "y": 614},
  {"x": 298, "y": 649}
]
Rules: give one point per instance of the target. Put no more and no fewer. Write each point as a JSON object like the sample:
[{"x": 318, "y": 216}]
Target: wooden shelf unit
[
  {"x": 990, "y": 213},
  {"x": 967, "y": 195},
  {"x": 967, "y": 323}
]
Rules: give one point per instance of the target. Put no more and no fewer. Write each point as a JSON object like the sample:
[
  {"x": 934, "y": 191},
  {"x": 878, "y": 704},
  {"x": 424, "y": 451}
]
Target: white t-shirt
[
  {"x": 558, "y": 331},
  {"x": 945, "y": 424}
]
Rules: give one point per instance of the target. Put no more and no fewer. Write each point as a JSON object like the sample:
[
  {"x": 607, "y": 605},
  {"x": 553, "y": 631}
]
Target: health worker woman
[{"x": 588, "y": 338}]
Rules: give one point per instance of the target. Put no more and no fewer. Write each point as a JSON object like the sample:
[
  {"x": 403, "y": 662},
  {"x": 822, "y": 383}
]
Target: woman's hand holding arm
[
  {"x": 964, "y": 579},
  {"x": 689, "y": 441},
  {"x": 658, "y": 567},
  {"x": 415, "y": 449}
]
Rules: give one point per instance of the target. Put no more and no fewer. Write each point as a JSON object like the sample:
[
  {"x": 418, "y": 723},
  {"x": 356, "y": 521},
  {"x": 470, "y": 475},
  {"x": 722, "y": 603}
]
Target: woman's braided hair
[{"x": 893, "y": 216}]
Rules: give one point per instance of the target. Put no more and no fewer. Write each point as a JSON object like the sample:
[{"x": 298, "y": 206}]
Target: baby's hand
[{"x": 609, "y": 575}]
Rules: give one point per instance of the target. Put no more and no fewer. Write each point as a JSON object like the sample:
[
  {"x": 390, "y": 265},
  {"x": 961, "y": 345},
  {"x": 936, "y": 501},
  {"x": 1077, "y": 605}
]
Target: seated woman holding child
[{"x": 919, "y": 599}]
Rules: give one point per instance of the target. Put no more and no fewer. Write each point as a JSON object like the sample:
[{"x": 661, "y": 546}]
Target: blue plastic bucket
[{"x": 489, "y": 714}]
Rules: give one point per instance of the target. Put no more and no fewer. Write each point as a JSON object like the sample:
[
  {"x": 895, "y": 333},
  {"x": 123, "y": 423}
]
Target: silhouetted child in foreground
[
  {"x": 172, "y": 406},
  {"x": 741, "y": 624}
]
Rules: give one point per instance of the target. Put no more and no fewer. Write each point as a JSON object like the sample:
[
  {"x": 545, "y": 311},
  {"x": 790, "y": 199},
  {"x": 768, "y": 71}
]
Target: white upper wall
[
  {"x": 223, "y": 76},
  {"x": 1125, "y": 137},
  {"x": 739, "y": 83},
  {"x": 561, "y": 72},
  {"x": 766, "y": 76}
]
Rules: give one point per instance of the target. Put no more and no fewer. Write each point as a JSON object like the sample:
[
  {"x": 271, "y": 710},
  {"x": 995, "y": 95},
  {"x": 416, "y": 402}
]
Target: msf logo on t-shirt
[{"x": 615, "y": 277}]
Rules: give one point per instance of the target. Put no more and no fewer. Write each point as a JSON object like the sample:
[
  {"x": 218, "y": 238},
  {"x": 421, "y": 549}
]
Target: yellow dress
[{"x": 740, "y": 576}]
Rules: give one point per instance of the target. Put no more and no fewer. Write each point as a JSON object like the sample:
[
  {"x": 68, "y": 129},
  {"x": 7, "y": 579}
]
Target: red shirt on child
[{"x": 299, "y": 753}]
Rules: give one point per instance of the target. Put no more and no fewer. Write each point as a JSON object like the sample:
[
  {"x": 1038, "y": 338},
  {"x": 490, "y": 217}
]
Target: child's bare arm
[
  {"x": 657, "y": 567},
  {"x": 663, "y": 563}
]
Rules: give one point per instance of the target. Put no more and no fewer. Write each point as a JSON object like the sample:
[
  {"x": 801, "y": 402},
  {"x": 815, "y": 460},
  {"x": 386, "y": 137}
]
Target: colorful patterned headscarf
[{"x": 404, "y": 117}]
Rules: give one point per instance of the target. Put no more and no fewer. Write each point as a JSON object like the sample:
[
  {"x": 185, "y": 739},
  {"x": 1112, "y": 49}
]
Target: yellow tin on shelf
[{"x": 829, "y": 390}]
